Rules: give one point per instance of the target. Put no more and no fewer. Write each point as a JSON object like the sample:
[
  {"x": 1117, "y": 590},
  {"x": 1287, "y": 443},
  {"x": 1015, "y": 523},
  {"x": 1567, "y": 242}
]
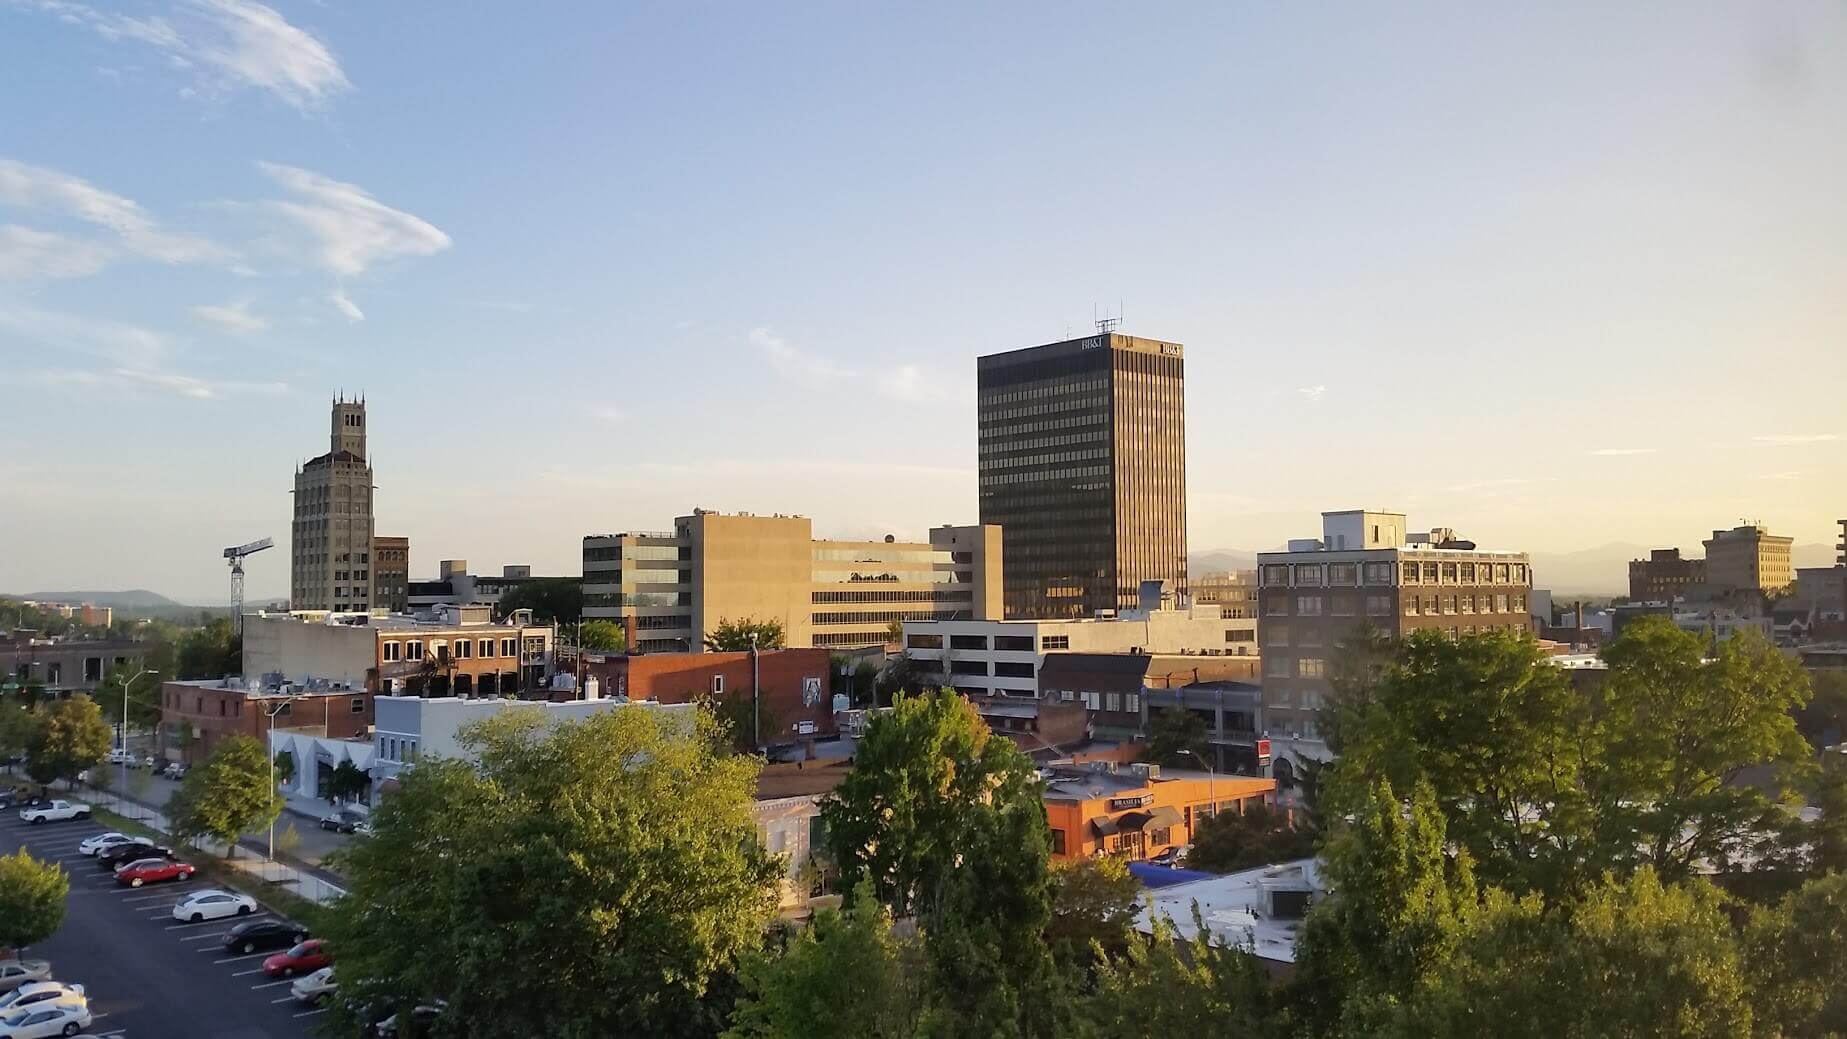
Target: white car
[
  {"x": 120, "y": 757},
  {"x": 313, "y": 988},
  {"x": 212, "y": 904},
  {"x": 42, "y": 993},
  {"x": 41, "y": 1022},
  {"x": 104, "y": 840},
  {"x": 14, "y": 973},
  {"x": 55, "y": 811}
]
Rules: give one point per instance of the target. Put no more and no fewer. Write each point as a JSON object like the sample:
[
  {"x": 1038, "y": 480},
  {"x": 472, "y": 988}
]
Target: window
[
  {"x": 1449, "y": 604},
  {"x": 1410, "y": 573},
  {"x": 509, "y": 647},
  {"x": 1500, "y": 573},
  {"x": 1276, "y": 606},
  {"x": 1411, "y": 606},
  {"x": 1468, "y": 573},
  {"x": 1058, "y": 842},
  {"x": 1240, "y": 635},
  {"x": 1467, "y": 602},
  {"x": 1008, "y": 669},
  {"x": 464, "y": 649},
  {"x": 1519, "y": 604},
  {"x": 1112, "y": 702},
  {"x": 1055, "y": 642},
  {"x": 393, "y": 651},
  {"x": 1276, "y": 667},
  {"x": 1276, "y": 575},
  {"x": 923, "y": 641},
  {"x": 413, "y": 650},
  {"x": 1430, "y": 606},
  {"x": 1014, "y": 643},
  {"x": 1343, "y": 605},
  {"x": 718, "y": 683},
  {"x": 1343, "y": 573},
  {"x": 1379, "y": 573},
  {"x": 1500, "y": 604},
  {"x": 1164, "y": 835},
  {"x": 1378, "y": 606},
  {"x": 968, "y": 667},
  {"x": 1310, "y": 636},
  {"x": 968, "y": 642},
  {"x": 1430, "y": 573},
  {"x": 1308, "y": 605},
  {"x": 1308, "y": 574},
  {"x": 487, "y": 647},
  {"x": 359, "y": 705},
  {"x": 1132, "y": 702},
  {"x": 1449, "y": 573}
]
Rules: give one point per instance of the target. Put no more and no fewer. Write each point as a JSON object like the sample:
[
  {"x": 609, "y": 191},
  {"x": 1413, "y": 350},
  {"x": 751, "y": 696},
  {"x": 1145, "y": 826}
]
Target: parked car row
[
  {"x": 55, "y": 810},
  {"x": 36, "y": 1007}
]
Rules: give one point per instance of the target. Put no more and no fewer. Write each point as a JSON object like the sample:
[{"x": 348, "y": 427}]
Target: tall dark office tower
[{"x": 1083, "y": 465}]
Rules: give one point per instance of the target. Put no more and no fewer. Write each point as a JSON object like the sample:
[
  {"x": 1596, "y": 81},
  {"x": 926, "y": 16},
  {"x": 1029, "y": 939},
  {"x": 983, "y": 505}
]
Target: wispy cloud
[
  {"x": 342, "y": 303},
  {"x": 609, "y": 414},
  {"x": 232, "y": 317},
  {"x": 224, "y": 44},
  {"x": 178, "y": 385},
  {"x": 1623, "y": 452},
  {"x": 1786, "y": 475},
  {"x": 120, "y": 344},
  {"x": 26, "y": 253},
  {"x": 1312, "y": 393},
  {"x": 1795, "y": 439},
  {"x": 790, "y": 361},
  {"x": 134, "y": 231},
  {"x": 349, "y": 230}
]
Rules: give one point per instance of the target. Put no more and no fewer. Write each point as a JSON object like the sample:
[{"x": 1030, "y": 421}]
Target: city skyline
[{"x": 1578, "y": 263}]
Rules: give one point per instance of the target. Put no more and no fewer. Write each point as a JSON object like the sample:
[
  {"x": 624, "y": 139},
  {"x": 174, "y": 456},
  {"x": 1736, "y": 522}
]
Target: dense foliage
[
  {"x": 737, "y": 636},
  {"x": 601, "y": 637},
  {"x": 32, "y": 897},
  {"x": 65, "y": 737},
  {"x": 1176, "y": 738},
  {"x": 552, "y": 600},
  {"x": 227, "y": 796},
  {"x": 1260, "y": 835},
  {"x": 586, "y": 879}
]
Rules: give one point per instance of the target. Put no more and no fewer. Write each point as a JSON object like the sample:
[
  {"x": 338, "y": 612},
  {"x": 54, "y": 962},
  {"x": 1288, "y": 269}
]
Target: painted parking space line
[
  {"x": 247, "y": 973},
  {"x": 234, "y": 959},
  {"x": 273, "y": 984},
  {"x": 207, "y": 936},
  {"x": 167, "y": 887},
  {"x": 226, "y": 921},
  {"x": 311, "y": 1013}
]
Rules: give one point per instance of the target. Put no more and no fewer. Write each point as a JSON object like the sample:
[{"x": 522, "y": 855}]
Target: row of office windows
[
  {"x": 1315, "y": 575},
  {"x": 461, "y": 649}
]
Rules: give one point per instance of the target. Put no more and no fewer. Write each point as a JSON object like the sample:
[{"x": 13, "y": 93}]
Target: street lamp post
[
  {"x": 126, "y": 682},
  {"x": 270, "y": 713},
  {"x": 1211, "y": 781}
]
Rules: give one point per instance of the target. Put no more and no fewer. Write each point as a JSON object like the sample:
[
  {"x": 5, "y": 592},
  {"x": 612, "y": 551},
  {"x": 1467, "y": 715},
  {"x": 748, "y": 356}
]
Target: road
[
  {"x": 316, "y": 844},
  {"x": 147, "y": 975}
]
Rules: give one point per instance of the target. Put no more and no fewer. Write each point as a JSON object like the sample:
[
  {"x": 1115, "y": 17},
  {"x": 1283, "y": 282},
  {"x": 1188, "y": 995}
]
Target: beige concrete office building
[
  {"x": 1748, "y": 558},
  {"x": 670, "y": 588},
  {"x": 330, "y": 541}
]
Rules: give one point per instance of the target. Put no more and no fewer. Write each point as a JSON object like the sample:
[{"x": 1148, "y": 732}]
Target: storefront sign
[
  {"x": 1117, "y": 804},
  {"x": 1263, "y": 752}
]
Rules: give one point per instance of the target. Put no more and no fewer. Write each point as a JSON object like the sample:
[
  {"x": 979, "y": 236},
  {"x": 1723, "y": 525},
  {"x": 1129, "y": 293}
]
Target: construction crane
[{"x": 236, "y": 556}]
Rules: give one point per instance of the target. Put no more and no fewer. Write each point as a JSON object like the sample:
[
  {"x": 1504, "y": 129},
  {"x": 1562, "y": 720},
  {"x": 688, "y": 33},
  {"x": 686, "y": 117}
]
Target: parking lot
[{"x": 149, "y": 976}]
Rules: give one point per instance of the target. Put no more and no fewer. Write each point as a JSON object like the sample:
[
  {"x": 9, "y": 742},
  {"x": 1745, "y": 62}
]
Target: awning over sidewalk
[{"x": 1104, "y": 825}]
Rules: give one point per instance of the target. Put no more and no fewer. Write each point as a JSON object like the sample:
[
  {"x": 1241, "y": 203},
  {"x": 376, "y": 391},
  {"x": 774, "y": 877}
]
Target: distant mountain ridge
[
  {"x": 135, "y": 598},
  {"x": 1602, "y": 570}
]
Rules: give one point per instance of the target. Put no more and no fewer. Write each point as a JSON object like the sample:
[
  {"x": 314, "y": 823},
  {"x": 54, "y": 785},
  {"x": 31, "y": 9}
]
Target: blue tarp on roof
[{"x": 1161, "y": 876}]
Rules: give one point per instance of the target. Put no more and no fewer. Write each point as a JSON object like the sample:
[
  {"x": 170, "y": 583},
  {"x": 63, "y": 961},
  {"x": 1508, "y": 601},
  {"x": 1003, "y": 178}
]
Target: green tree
[
  {"x": 285, "y": 767},
  {"x": 346, "y": 783},
  {"x": 846, "y": 977},
  {"x": 1093, "y": 907},
  {"x": 558, "y": 600},
  {"x": 17, "y": 730},
  {"x": 226, "y": 797},
  {"x": 602, "y": 637},
  {"x": 1167, "y": 987},
  {"x": 1676, "y": 729},
  {"x": 736, "y": 636},
  {"x": 1400, "y": 905},
  {"x": 70, "y": 736},
  {"x": 904, "y": 674},
  {"x": 1260, "y": 835},
  {"x": 586, "y": 879},
  {"x": 211, "y": 650},
  {"x": 1797, "y": 952},
  {"x": 1174, "y": 736},
  {"x": 143, "y": 696},
  {"x": 1633, "y": 957},
  {"x": 31, "y": 900}
]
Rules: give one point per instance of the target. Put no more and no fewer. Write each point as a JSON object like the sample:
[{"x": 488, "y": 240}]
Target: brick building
[
  {"x": 66, "y": 666},
  {"x": 1664, "y": 576},
  {"x": 796, "y": 701},
  {"x": 195, "y": 717}
]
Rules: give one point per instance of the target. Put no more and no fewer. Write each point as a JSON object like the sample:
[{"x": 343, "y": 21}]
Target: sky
[{"x": 1554, "y": 275}]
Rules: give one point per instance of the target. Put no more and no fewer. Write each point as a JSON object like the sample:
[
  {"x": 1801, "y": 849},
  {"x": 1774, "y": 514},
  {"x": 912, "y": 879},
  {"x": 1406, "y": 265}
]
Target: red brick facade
[
  {"x": 211, "y": 713},
  {"x": 795, "y": 683}
]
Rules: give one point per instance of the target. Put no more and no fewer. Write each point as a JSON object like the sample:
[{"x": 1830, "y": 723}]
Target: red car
[
  {"x": 310, "y": 955},
  {"x": 147, "y": 871}
]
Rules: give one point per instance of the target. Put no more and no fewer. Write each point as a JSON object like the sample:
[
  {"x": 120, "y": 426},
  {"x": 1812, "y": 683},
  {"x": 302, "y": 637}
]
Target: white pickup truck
[{"x": 55, "y": 811}]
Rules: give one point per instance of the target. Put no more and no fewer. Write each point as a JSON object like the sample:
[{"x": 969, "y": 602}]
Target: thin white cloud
[
  {"x": 1623, "y": 452},
  {"x": 26, "y": 253},
  {"x": 124, "y": 345},
  {"x": 1787, "y": 475},
  {"x": 47, "y": 190},
  {"x": 186, "y": 386},
  {"x": 226, "y": 44},
  {"x": 1312, "y": 393},
  {"x": 344, "y": 304},
  {"x": 1794, "y": 439},
  {"x": 232, "y": 317},
  {"x": 793, "y": 362},
  {"x": 609, "y": 414},
  {"x": 349, "y": 229}
]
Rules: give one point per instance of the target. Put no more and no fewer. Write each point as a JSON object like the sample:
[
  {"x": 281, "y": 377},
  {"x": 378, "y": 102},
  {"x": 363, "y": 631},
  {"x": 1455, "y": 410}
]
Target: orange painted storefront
[{"x": 1140, "y": 821}]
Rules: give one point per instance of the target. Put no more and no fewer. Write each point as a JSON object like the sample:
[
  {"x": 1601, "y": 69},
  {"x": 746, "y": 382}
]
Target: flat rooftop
[{"x": 1235, "y": 907}]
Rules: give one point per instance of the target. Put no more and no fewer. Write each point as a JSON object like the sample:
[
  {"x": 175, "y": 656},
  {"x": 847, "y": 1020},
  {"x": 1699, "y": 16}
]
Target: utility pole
[
  {"x": 123, "y": 746},
  {"x": 756, "y": 696},
  {"x": 270, "y": 713}
]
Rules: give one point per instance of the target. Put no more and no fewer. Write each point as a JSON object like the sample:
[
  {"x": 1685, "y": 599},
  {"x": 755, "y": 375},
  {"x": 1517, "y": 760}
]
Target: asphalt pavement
[{"x": 149, "y": 976}]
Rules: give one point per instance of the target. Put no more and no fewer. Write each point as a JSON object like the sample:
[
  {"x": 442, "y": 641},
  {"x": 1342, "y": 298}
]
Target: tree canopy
[
  {"x": 211, "y": 650},
  {"x": 143, "y": 696},
  {"x": 1174, "y": 735},
  {"x": 602, "y": 637},
  {"x": 1093, "y": 908},
  {"x": 1231, "y": 841},
  {"x": 67, "y": 737},
  {"x": 228, "y": 796},
  {"x": 586, "y": 879},
  {"x": 735, "y": 636},
  {"x": 552, "y": 600},
  {"x": 32, "y": 897},
  {"x": 846, "y": 977}
]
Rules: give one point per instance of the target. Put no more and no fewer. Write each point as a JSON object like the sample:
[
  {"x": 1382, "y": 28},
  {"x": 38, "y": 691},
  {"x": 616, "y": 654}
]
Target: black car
[
  {"x": 422, "y": 1017},
  {"x": 118, "y": 855},
  {"x": 342, "y": 821},
  {"x": 262, "y": 935}
]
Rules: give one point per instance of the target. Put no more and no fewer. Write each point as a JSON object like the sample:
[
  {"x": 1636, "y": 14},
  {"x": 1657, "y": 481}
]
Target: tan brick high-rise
[{"x": 330, "y": 542}]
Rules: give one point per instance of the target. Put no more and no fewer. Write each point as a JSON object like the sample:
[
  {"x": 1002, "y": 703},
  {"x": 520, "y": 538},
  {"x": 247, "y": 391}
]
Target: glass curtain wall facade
[{"x": 1082, "y": 459}]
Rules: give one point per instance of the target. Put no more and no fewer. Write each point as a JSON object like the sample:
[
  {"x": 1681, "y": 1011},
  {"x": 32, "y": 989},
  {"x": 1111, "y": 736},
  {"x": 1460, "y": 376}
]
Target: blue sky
[{"x": 1556, "y": 277}]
